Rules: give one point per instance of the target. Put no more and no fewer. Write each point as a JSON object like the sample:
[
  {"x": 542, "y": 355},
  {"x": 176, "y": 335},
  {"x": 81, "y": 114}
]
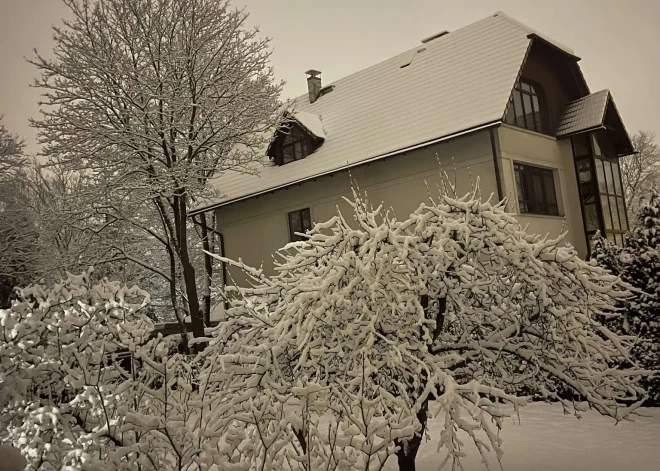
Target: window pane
[
  {"x": 615, "y": 213},
  {"x": 517, "y": 104},
  {"x": 294, "y": 221},
  {"x": 610, "y": 237},
  {"x": 306, "y": 220},
  {"x": 534, "y": 191},
  {"x": 619, "y": 239},
  {"x": 591, "y": 217},
  {"x": 617, "y": 179},
  {"x": 287, "y": 154},
  {"x": 288, "y": 138},
  {"x": 607, "y": 218},
  {"x": 537, "y": 113},
  {"x": 594, "y": 142},
  {"x": 525, "y": 86},
  {"x": 529, "y": 113},
  {"x": 299, "y": 155},
  {"x": 585, "y": 177},
  {"x": 622, "y": 214},
  {"x": 550, "y": 196},
  {"x": 519, "y": 189},
  {"x": 601, "y": 176},
  {"x": 581, "y": 145},
  {"x": 608, "y": 176},
  {"x": 510, "y": 116}
]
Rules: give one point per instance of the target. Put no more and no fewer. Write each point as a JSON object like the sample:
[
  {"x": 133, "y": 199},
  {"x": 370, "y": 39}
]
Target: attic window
[
  {"x": 526, "y": 108},
  {"x": 292, "y": 143}
]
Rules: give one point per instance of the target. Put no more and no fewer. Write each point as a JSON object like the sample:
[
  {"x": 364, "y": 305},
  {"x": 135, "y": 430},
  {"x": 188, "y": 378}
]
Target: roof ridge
[{"x": 414, "y": 48}]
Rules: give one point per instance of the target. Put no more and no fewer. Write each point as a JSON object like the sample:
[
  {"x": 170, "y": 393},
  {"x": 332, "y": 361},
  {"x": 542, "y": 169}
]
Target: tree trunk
[
  {"x": 187, "y": 267},
  {"x": 407, "y": 453},
  {"x": 208, "y": 246}
]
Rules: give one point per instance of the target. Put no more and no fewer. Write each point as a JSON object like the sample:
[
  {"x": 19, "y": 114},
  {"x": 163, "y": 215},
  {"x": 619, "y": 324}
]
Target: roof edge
[
  {"x": 421, "y": 145},
  {"x": 566, "y": 51}
]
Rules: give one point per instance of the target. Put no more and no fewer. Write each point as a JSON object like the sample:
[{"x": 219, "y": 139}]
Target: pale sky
[{"x": 619, "y": 42}]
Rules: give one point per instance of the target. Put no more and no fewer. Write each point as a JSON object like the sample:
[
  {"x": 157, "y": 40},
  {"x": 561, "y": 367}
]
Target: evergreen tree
[
  {"x": 638, "y": 263},
  {"x": 641, "y": 261}
]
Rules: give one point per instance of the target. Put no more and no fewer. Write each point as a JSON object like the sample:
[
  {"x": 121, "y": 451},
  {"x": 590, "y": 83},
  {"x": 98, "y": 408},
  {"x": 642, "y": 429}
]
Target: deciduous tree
[{"x": 149, "y": 99}]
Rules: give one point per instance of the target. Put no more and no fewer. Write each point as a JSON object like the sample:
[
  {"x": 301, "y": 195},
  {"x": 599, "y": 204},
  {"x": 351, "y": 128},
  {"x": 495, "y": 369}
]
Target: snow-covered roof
[
  {"x": 584, "y": 114},
  {"x": 457, "y": 82},
  {"x": 311, "y": 123}
]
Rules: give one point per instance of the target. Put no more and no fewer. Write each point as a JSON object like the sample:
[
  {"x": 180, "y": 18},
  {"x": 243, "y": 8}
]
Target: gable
[{"x": 558, "y": 75}]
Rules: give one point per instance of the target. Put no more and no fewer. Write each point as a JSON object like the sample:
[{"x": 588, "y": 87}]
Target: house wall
[
  {"x": 521, "y": 145},
  {"x": 254, "y": 229}
]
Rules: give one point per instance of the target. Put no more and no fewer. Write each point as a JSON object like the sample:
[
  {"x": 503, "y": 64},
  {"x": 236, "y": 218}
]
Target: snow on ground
[{"x": 547, "y": 440}]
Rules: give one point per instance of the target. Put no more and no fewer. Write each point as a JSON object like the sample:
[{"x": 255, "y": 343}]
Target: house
[{"x": 495, "y": 100}]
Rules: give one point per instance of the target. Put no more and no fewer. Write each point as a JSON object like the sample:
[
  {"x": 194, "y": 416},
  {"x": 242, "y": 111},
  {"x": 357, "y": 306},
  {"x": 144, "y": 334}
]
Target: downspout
[
  {"x": 495, "y": 149},
  {"x": 225, "y": 305}
]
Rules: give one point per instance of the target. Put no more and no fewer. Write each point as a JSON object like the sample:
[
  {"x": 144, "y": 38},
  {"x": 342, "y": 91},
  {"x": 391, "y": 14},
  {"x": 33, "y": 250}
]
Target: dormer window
[
  {"x": 526, "y": 108},
  {"x": 296, "y": 139},
  {"x": 295, "y": 146}
]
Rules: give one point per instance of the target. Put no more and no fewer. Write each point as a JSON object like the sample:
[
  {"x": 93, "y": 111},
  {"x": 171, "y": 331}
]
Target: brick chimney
[{"x": 313, "y": 84}]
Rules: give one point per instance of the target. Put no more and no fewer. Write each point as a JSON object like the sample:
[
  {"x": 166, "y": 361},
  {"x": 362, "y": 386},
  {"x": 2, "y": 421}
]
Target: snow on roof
[
  {"x": 583, "y": 114},
  {"x": 311, "y": 122},
  {"x": 460, "y": 81}
]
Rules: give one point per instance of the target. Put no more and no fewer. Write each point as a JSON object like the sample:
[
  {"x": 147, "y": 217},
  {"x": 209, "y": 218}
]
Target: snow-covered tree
[
  {"x": 640, "y": 171},
  {"x": 455, "y": 304},
  {"x": 85, "y": 384},
  {"x": 149, "y": 99},
  {"x": 638, "y": 263},
  {"x": 18, "y": 230}
]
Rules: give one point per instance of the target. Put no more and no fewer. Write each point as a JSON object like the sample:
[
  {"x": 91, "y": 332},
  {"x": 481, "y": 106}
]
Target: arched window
[{"x": 526, "y": 108}]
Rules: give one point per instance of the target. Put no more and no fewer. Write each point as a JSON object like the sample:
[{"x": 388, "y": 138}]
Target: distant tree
[
  {"x": 454, "y": 304},
  {"x": 148, "y": 100},
  {"x": 639, "y": 172},
  {"x": 18, "y": 230},
  {"x": 12, "y": 157}
]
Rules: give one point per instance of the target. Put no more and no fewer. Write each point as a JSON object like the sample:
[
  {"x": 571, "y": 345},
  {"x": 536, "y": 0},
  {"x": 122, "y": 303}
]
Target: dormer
[{"x": 299, "y": 135}]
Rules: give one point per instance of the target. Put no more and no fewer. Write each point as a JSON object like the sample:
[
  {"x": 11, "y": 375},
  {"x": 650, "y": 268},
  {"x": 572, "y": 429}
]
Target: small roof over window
[{"x": 592, "y": 112}]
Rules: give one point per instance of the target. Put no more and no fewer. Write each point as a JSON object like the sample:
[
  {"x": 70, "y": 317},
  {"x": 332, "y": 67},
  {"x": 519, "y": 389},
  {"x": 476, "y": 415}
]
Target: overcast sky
[{"x": 619, "y": 42}]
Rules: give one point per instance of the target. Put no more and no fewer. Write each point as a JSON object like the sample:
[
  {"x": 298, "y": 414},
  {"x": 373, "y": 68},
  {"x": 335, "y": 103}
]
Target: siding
[{"x": 254, "y": 229}]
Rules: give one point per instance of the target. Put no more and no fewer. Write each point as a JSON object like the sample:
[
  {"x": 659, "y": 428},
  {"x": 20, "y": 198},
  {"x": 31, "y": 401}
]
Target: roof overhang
[
  {"x": 554, "y": 45},
  {"x": 594, "y": 112},
  {"x": 348, "y": 166}
]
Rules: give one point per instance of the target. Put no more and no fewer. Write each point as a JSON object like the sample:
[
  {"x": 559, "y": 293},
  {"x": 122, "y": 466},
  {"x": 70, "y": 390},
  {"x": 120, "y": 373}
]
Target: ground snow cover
[{"x": 547, "y": 440}]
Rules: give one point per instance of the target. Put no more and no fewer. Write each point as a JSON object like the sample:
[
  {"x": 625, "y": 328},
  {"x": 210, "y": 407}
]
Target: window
[
  {"x": 536, "y": 190},
  {"x": 601, "y": 192},
  {"x": 525, "y": 107},
  {"x": 299, "y": 221},
  {"x": 292, "y": 144}
]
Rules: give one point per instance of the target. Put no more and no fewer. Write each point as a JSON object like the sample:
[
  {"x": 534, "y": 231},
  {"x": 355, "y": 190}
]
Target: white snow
[
  {"x": 311, "y": 122},
  {"x": 461, "y": 81},
  {"x": 546, "y": 440}
]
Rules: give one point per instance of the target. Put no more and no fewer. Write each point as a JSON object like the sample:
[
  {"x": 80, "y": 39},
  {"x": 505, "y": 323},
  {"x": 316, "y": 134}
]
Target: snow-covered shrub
[
  {"x": 84, "y": 386},
  {"x": 638, "y": 263},
  {"x": 368, "y": 321}
]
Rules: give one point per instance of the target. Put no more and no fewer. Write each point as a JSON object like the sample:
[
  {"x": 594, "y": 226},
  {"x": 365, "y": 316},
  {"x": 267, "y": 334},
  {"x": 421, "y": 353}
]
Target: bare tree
[
  {"x": 12, "y": 157},
  {"x": 149, "y": 99},
  {"x": 640, "y": 171},
  {"x": 18, "y": 232}
]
